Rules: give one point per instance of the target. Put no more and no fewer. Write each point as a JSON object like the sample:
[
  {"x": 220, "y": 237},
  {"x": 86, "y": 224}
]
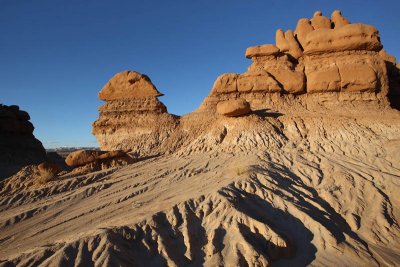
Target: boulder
[
  {"x": 233, "y": 107},
  {"x": 83, "y": 157},
  {"x": 128, "y": 84},
  {"x": 345, "y": 38}
]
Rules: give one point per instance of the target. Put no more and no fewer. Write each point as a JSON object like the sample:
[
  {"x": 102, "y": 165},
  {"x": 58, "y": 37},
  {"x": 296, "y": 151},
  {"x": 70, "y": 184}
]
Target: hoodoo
[{"x": 132, "y": 118}]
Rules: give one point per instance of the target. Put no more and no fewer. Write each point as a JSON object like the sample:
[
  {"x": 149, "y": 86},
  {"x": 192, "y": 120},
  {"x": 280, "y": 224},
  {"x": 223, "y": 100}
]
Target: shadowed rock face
[{"x": 18, "y": 145}]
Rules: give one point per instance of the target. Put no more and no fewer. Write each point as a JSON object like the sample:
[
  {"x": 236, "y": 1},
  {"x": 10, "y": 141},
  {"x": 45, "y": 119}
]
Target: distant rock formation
[
  {"x": 132, "y": 114},
  {"x": 18, "y": 145}
]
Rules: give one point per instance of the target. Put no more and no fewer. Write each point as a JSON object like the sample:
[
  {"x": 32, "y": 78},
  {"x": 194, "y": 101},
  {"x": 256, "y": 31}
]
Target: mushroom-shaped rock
[
  {"x": 233, "y": 107},
  {"x": 262, "y": 50},
  {"x": 294, "y": 47},
  {"x": 281, "y": 41},
  {"x": 338, "y": 20},
  {"x": 128, "y": 84},
  {"x": 348, "y": 37},
  {"x": 320, "y": 22},
  {"x": 302, "y": 29}
]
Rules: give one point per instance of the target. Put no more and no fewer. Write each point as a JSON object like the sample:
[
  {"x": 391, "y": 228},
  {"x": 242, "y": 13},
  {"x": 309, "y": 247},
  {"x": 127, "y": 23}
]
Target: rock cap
[{"x": 128, "y": 84}]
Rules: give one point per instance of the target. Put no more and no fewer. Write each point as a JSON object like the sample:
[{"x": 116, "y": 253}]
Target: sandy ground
[{"x": 314, "y": 192}]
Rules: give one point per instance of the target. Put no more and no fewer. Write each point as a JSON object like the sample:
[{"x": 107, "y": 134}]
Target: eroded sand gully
[{"x": 307, "y": 200}]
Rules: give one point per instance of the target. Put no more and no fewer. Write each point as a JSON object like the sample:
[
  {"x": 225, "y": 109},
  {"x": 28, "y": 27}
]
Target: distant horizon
[{"x": 57, "y": 56}]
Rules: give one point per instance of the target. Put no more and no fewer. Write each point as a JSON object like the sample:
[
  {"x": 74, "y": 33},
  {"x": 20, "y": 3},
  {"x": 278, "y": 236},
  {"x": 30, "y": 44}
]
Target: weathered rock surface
[
  {"x": 18, "y": 145},
  {"x": 233, "y": 108},
  {"x": 132, "y": 118},
  {"x": 346, "y": 38},
  {"x": 323, "y": 55},
  {"x": 128, "y": 84}
]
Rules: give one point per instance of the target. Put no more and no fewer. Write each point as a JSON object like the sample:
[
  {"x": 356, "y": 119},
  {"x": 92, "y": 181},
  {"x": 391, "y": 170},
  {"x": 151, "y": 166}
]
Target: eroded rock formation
[
  {"x": 323, "y": 56},
  {"x": 132, "y": 114},
  {"x": 305, "y": 176},
  {"x": 18, "y": 145},
  {"x": 324, "y": 65}
]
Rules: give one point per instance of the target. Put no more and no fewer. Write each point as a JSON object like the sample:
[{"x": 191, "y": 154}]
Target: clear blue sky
[{"x": 56, "y": 55}]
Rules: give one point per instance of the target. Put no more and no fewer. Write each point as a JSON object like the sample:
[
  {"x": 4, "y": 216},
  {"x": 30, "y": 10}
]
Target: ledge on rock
[
  {"x": 347, "y": 37},
  {"x": 262, "y": 50}
]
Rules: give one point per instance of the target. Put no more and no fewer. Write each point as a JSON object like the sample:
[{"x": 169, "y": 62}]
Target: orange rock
[
  {"x": 320, "y": 22},
  {"x": 338, "y": 20},
  {"x": 294, "y": 47},
  {"x": 347, "y": 37},
  {"x": 258, "y": 81},
  {"x": 225, "y": 83},
  {"x": 358, "y": 77},
  {"x": 233, "y": 107},
  {"x": 324, "y": 80},
  {"x": 303, "y": 28},
  {"x": 82, "y": 157},
  {"x": 292, "y": 81},
  {"x": 281, "y": 41},
  {"x": 262, "y": 50},
  {"x": 128, "y": 84},
  {"x": 387, "y": 57}
]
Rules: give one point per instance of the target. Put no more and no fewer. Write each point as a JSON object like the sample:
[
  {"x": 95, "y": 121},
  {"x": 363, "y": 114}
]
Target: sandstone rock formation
[
  {"x": 18, "y": 145},
  {"x": 323, "y": 56},
  {"x": 309, "y": 178},
  {"x": 234, "y": 108},
  {"x": 132, "y": 114}
]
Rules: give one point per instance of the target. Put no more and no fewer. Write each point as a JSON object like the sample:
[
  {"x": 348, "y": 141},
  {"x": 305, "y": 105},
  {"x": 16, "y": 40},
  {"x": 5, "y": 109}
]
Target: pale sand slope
[{"x": 311, "y": 191}]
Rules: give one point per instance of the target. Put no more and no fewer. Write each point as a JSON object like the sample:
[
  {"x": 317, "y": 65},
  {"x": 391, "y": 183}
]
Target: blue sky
[{"x": 56, "y": 55}]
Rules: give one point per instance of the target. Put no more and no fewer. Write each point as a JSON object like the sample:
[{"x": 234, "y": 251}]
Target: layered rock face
[
  {"x": 132, "y": 118},
  {"x": 323, "y": 58},
  {"x": 18, "y": 145}
]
